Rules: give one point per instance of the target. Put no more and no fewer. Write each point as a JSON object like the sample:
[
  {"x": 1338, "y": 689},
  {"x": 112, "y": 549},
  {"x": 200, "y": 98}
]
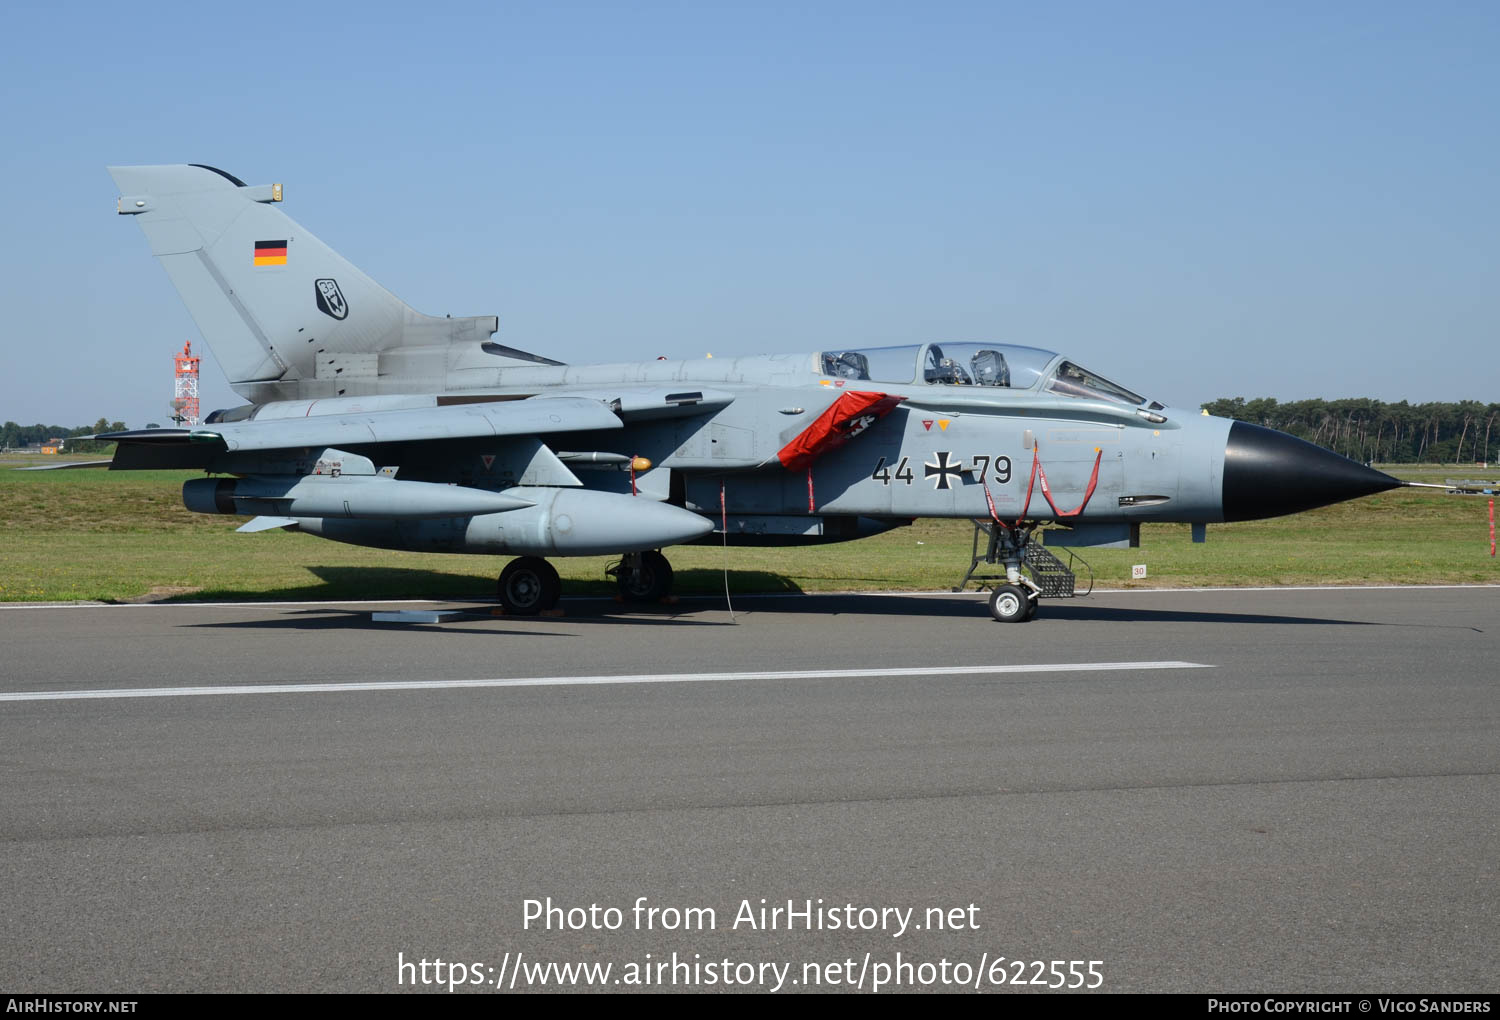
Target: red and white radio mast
[{"x": 185, "y": 393}]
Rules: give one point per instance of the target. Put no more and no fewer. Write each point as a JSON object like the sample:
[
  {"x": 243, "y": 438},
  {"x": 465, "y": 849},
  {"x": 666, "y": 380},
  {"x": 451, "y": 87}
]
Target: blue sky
[{"x": 1196, "y": 199}]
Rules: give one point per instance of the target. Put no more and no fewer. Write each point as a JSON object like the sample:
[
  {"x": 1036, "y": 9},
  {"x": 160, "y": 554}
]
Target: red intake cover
[{"x": 846, "y": 417}]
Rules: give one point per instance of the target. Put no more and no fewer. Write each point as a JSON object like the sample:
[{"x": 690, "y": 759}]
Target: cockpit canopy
[{"x": 971, "y": 364}]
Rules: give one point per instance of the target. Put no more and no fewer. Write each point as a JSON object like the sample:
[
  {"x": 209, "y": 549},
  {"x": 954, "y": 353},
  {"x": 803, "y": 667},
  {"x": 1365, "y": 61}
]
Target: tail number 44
[{"x": 902, "y": 472}]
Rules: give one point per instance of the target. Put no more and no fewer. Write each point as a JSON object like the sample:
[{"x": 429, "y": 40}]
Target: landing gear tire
[
  {"x": 649, "y": 579},
  {"x": 528, "y": 586},
  {"x": 1010, "y": 603}
]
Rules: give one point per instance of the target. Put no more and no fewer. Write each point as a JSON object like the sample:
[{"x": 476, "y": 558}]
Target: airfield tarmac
[{"x": 1257, "y": 790}]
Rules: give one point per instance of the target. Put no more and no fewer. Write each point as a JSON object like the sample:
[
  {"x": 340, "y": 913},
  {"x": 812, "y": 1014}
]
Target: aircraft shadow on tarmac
[
  {"x": 1066, "y": 611},
  {"x": 970, "y": 605},
  {"x": 593, "y": 601},
  {"x": 352, "y": 584},
  {"x": 342, "y": 619},
  {"x": 708, "y": 612}
]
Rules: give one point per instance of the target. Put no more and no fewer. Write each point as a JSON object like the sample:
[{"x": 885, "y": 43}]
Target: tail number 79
[{"x": 982, "y": 464}]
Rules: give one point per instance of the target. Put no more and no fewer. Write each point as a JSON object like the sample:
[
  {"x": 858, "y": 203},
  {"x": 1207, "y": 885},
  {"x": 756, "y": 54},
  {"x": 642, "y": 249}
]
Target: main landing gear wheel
[
  {"x": 645, "y": 577},
  {"x": 528, "y": 586},
  {"x": 1010, "y": 603}
]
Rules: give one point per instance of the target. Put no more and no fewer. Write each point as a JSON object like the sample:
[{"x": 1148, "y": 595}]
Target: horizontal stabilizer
[
  {"x": 266, "y": 524},
  {"x": 67, "y": 464},
  {"x": 166, "y": 437},
  {"x": 461, "y": 421}
]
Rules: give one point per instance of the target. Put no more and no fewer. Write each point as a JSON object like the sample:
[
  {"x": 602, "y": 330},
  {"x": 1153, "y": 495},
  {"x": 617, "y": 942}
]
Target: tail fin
[{"x": 273, "y": 301}]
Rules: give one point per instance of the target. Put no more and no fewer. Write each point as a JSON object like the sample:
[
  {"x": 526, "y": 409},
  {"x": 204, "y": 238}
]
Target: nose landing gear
[
  {"x": 1030, "y": 572},
  {"x": 1012, "y": 603}
]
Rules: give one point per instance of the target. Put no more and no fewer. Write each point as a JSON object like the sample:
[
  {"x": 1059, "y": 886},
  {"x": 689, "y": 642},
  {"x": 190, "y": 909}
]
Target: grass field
[{"x": 115, "y": 536}]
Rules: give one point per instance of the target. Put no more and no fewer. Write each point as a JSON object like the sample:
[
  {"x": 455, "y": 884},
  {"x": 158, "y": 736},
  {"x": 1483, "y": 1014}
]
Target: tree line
[
  {"x": 1372, "y": 430},
  {"x": 16, "y": 436}
]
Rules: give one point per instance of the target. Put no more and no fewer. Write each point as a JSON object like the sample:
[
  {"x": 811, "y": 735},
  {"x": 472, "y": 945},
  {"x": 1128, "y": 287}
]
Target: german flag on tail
[{"x": 270, "y": 253}]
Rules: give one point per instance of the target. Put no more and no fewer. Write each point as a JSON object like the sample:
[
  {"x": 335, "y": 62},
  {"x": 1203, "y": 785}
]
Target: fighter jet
[{"x": 370, "y": 423}]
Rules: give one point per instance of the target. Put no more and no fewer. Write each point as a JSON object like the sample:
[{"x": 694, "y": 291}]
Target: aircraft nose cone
[{"x": 1269, "y": 473}]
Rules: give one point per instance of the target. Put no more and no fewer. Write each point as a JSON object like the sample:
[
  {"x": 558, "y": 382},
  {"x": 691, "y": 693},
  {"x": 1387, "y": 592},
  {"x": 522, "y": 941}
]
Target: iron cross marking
[{"x": 942, "y": 469}]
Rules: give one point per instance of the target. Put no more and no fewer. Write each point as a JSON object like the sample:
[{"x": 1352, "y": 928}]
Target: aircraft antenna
[{"x": 185, "y": 386}]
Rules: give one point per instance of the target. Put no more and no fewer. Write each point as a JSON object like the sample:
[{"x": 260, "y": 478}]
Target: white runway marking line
[{"x": 568, "y": 681}]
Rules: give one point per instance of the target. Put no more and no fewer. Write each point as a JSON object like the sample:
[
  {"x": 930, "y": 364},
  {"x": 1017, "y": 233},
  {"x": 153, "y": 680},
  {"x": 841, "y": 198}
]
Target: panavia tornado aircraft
[{"x": 373, "y": 424}]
